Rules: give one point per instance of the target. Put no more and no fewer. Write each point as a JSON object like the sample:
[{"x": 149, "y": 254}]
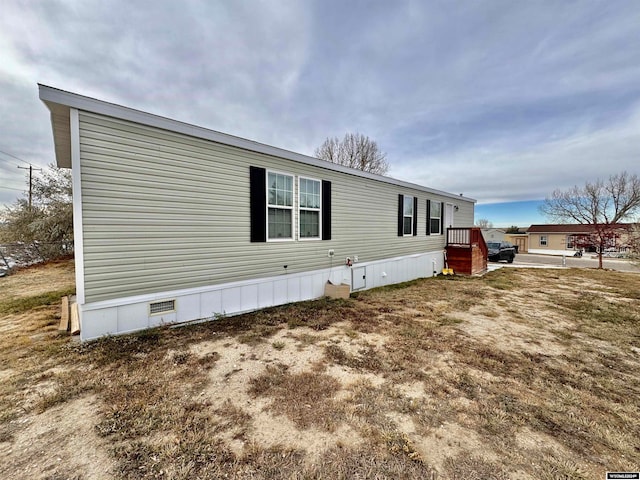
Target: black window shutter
[
  {"x": 400, "y": 215},
  {"x": 326, "y": 210},
  {"x": 258, "y": 203},
  {"x": 415, "y": 216},
  {"x": 428, "y": 217},
  {"x": 442, "y": 218}
]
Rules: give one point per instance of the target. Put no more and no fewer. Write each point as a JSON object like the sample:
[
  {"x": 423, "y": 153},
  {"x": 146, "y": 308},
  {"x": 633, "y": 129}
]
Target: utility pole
[{"x": 31, "y": 169}]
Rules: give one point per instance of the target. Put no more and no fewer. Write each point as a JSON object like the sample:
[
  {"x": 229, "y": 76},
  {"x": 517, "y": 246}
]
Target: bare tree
[
  {"x": 43, "y": 231},
  {"x": 634, "y": 241},
  {"x": 355, "y": 150},
  {"x": 602, "y": 204},
  {"x": 483, "y": 223}
]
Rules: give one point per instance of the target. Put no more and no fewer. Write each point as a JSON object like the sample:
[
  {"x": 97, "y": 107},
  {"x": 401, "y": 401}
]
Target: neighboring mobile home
[
  {"x": 174, "y": 222},
  {"x": 493, "y": 234},
  {"x": 567, "y": 239},
  {"x": 520, "y": 240}
]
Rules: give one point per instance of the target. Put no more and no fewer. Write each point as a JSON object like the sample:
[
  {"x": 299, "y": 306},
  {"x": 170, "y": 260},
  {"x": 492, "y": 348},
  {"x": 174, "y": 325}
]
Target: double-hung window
[
  {"x": 407, "y": 216},
  {"x": 310, "y": 202},
  {"x": 435, "y": 218},
  {"x": 272, "y": 207},
  {"x": 571, "y": 242},
  {"x": 279, "y": 206},
  {"x": 543, "y": 240}
]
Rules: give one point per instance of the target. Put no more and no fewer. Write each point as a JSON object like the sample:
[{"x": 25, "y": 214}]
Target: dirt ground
[{"x": 527, "y": 374}]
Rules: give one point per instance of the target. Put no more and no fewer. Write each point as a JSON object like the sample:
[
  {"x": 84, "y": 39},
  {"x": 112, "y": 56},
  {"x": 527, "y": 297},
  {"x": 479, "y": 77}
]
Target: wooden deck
[{"x": 466, "y": 251}]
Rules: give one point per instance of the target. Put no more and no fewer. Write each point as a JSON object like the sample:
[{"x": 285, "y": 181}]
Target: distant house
[
  {"x": 174, "y": 222},
  {"x": 566, "y": 239},
  {"x": 520, "y": 239},
  {"x": 493, "y": 234}
]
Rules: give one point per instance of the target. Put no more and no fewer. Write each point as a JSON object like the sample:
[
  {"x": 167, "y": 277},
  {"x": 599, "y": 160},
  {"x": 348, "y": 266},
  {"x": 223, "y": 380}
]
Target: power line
[
  {"x": 5, "y": 162},
  {"x": 13, "y": 156}
]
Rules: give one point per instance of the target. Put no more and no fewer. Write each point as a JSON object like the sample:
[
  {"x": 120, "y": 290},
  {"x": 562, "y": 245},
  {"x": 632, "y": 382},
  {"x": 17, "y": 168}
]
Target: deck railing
[{"x": 467, "y": 237}]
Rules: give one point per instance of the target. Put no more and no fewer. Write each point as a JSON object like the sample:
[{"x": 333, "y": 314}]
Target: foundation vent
[{"x": 161, "y": 307}]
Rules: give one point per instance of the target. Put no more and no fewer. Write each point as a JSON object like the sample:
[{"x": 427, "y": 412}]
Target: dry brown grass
[
  {"x": 519, "y": 374},
  {"x": 306, "y": 398}
]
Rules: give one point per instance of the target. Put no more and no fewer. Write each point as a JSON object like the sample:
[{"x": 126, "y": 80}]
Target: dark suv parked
[{"x": 501, "y": 251}]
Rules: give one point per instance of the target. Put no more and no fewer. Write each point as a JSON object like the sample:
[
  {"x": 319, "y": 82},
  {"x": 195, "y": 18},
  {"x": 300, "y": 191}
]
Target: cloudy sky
[{"x": 503, "y": 101}]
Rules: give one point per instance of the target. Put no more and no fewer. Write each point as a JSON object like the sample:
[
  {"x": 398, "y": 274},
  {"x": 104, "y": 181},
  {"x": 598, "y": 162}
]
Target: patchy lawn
[{"x": 519, "y": 374}]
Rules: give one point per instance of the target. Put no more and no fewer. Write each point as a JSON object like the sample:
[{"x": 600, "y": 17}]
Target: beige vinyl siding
[
  {"x": 166, "y": 211},
  {"x": 464, "y": 216},
  {"x": 555, "y": 241}
]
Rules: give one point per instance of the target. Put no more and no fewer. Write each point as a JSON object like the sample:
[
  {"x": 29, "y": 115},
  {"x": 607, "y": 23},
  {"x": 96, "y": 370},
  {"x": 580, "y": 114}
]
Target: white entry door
[{"x": 448, "y": 215}]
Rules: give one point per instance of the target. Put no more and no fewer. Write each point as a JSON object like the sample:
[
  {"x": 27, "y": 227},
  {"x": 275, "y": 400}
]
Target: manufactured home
[
  {"x": 174, "y": 222},
  {"x": 567, "y": 239},
  {"x": 493, "y": 234}
]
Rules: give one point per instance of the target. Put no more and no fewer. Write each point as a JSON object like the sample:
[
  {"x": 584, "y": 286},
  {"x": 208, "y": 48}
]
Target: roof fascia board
[{"x": 80, "y": 102}]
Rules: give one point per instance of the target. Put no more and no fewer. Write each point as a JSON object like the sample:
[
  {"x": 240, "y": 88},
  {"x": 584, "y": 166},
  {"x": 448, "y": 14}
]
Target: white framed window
[
  {"x": 543, "y": 240},
  {"x": 571, "y": 242},
  {"x": 279, "y": 206},
  {"x": 309, "y": 209},
  {"x": 435, "y": 218},
  {"x": 407, "y": 215}
]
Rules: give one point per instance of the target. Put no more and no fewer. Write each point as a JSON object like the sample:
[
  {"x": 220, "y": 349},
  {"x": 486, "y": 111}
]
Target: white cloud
[{"x": 501, "y": 175}]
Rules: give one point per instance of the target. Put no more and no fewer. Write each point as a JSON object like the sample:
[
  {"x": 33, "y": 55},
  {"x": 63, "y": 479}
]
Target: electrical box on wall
[{"x": 331, "y": 252}]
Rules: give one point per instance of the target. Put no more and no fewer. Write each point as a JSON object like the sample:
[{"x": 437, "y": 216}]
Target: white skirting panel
[{"x": 130, "y": 314}]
